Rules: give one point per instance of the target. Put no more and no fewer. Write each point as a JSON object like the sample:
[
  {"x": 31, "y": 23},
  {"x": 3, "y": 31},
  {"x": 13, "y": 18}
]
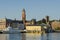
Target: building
[
  {"x": 55, "y": 25},
  {"x": 33, "y": 28},
  {"x": 47, "y": 19},
  {"x": 27, "y": 22},
  {"x": 24, "y": 16},
  {"x": 4, "y": 23},
  {"x": 30, "y": 25}
]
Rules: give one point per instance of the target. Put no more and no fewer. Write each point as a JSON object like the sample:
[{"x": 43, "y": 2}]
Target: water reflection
[
  {"x": 33, "y": 36},
  {"x": 50, "y": 36},
  {"x": 30, "y": 36},
  {"x": 23, "y": 36},
  {"x": 20, "y": 36},
  {"x": 46, "y": 36}
]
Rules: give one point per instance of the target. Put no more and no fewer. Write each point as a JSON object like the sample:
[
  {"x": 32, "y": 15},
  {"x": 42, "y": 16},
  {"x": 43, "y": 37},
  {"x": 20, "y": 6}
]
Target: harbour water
[{"x": 30, "y": 36}]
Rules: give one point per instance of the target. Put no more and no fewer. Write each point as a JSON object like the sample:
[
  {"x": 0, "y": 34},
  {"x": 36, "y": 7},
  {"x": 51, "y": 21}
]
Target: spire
[
  {"x": 23, "y": 10},
  {"x": 23, "y": 15}
]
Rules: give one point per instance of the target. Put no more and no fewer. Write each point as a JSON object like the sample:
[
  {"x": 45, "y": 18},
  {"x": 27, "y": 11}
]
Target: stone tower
[
  {"x": 47, "y": 19},
  {"x": 23, "y": 16}
]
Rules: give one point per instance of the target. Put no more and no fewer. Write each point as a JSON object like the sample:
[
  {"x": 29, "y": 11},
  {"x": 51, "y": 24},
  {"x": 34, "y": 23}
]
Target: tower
[
  {"x": 47, "y": 19},
  {"x": 23, "y": 16}
]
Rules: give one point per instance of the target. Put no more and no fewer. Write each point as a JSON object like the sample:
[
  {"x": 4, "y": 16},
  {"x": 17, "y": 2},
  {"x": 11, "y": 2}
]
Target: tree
[
  {"x": 39, "y": 22},
  {"x": 43, "y": 21}
]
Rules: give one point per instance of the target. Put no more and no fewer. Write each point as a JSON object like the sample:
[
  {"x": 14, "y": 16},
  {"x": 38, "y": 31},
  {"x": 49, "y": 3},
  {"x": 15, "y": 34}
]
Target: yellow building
[
  {"x": 2, "y": 24},
  {"x": 55, "y": 25},
  {"x": 33, "y": 28}
]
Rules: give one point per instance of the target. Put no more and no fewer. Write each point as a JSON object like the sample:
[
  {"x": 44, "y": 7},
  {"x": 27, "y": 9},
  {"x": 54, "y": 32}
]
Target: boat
[{"x": 10, "y": 30}]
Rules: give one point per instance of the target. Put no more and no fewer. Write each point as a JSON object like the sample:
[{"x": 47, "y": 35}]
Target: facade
[
  {"x": 16, "y": 23},
  {"x": 27, "y": 22},
  {"x": 55, "y": 25},
  {"x": 2, "y": 24},
  {"x": 33, "y": 28}
]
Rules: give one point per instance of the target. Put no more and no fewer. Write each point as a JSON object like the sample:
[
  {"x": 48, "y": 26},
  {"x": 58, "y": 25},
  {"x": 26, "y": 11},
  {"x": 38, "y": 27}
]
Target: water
[{"x": 30, "y": 36}]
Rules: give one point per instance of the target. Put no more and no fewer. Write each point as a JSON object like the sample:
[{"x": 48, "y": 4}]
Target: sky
[{"x": 35, "y": 9}]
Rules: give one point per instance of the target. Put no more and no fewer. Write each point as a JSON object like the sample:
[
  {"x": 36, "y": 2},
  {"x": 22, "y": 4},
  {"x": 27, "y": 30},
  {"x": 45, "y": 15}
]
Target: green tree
[{"x": 39, "y": 22}]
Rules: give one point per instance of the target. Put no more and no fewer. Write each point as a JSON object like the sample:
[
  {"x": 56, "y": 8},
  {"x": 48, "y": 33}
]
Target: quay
[{"x": 22, "y": 31}]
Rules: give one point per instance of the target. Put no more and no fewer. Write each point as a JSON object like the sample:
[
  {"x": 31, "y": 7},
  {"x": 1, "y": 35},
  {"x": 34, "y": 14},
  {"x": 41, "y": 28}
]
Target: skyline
[{"x": 36, "y": 9}]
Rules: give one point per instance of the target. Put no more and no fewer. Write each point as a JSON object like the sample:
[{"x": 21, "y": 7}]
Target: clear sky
[{"x": 36, "y": 9}]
